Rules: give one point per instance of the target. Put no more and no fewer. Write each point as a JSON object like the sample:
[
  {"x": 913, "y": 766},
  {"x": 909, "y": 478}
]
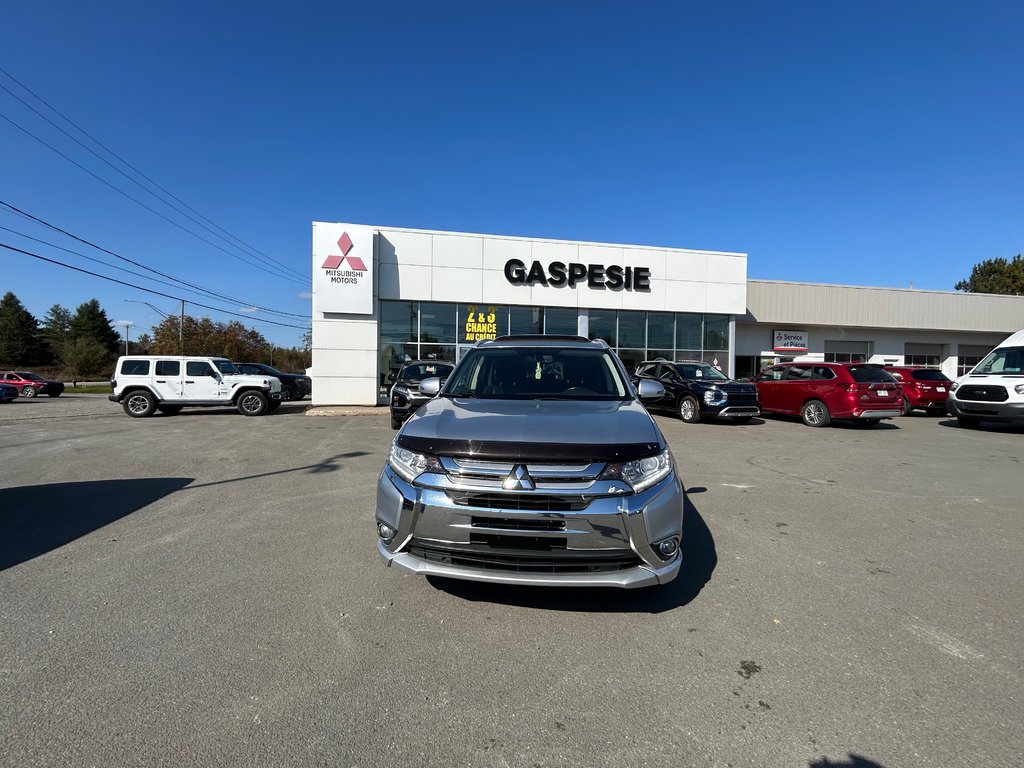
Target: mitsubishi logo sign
[
  {"x": 342, "y": 268},
  {"x": 519, "y": 480}
]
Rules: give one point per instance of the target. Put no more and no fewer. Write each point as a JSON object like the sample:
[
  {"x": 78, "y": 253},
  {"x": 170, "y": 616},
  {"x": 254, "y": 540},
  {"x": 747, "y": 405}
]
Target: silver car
[{"x": 536, "y": 464}]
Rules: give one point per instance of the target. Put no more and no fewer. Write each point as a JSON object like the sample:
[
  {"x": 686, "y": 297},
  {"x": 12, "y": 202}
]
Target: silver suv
[
  {"x": 536, "y": 464},
  {"x": 144, "y": 384}
]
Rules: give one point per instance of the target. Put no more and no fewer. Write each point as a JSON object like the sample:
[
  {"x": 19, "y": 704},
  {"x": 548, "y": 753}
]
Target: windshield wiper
[{"x": 463, "y": 393}]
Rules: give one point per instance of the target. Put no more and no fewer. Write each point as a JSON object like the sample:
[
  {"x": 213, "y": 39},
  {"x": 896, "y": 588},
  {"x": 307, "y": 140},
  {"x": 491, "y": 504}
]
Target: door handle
[
  {"x": 161, "y": 381},
  {"x": 190, "y": 381}
]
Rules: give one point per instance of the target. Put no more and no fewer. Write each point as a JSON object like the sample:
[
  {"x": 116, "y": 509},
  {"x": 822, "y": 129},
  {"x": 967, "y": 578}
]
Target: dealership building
[{"x": 383, "y": 296}]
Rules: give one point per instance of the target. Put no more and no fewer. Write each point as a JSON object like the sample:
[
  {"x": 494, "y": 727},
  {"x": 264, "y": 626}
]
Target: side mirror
[
  {"x": 392, "y": 376},
  {"x": 649, "y": 389},
  {"x": 430, "y": 386},
  {"x": 213, "y": 375}
]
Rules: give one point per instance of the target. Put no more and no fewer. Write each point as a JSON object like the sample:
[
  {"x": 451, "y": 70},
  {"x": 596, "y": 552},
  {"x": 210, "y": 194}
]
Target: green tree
[
  {"x": 205, "y": 337},
  {"x": 21, "y": 343},
  {"x": 995, "y": 276},
  {"x": 91, "y": 322},
  {"x": 55, "y": 327},
  {"x": 85, "y": 357}
]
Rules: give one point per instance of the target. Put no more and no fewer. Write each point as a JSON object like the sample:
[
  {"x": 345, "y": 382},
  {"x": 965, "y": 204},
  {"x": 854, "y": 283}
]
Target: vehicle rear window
[
  {"x": 869, "y": 373},
  {"x": 135, "y": 368},
  {"x": 168, "y": 367},
  {"x": 929, "y": 376}
]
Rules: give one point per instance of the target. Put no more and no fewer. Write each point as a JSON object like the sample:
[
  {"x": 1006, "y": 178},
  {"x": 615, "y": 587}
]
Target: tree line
[{"x": 84, "y": 343}]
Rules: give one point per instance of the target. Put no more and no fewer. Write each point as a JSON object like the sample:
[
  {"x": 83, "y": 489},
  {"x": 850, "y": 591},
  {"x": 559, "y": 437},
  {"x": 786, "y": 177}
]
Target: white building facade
[{"x": 383, "y": 296}]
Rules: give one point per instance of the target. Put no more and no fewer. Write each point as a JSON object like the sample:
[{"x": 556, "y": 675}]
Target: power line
[
  {"x": 199, "y": 289},
  {"x": 267, "y": 259},
  {"x": 155, "y": 212},
  {"x": 111, "y": 152},
  {"x": 147, "y": 290}
]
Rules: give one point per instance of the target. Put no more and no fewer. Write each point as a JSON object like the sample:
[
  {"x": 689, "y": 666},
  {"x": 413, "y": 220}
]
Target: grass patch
[{"x": 91, "y": 389}]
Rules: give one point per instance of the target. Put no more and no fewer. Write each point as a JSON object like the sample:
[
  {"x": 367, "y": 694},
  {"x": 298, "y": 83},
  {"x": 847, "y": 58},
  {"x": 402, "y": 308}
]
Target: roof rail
[{"x": 542, "y": 337}]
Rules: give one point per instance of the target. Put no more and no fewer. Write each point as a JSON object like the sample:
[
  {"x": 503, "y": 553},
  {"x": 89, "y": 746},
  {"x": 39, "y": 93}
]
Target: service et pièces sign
[{"x": 789, "y": 341}]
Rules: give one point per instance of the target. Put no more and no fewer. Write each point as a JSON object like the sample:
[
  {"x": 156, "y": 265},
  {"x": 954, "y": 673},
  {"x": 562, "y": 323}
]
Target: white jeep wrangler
[{"x": 167, "y": 383}]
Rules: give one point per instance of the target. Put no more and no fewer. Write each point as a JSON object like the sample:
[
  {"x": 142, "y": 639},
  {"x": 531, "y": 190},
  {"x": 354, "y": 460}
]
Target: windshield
[
  {"x": 528, "y": 373},
  {"x": 421, "y": 371},
  {"x": 226, "y": 367},
  {"x": 869, "y": 373},
  {"x": 929, "y": 375},
  {"x": 268, "y": 369},
  {"x": 700, "y": 371},
  {"x": 1002, "y": 360},
  {"x": 30, "y": 376}
]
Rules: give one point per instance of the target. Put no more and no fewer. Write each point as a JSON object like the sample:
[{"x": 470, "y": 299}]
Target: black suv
[
  {"x": 406, "y": 397},
  {"x": 294, "y": 386},
  {"x": 696, "y": 390}
]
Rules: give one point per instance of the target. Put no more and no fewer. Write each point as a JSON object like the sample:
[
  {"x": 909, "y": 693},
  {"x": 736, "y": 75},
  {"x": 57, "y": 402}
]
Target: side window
[
  {"x": 646, "y": 369},
  {"x": 665, "y": 373},
  {"x": 135, "y": 368},
  {"x": 799, "y": 373},
  {"x": 772, "y": 374},
  {"x": 168, "y": 367},
  {"x": 823, "y": 372},
  {"x": 198, "y": 368}
]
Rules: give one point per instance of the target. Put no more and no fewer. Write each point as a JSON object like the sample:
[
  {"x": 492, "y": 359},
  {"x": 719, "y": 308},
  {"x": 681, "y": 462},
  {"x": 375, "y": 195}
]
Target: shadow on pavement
[
  {"x": 854, "y": 761},
  {"x": 699, "y": 561},
  {"x": 985, "y": 426},
  {"x": 35, "y": 519}
]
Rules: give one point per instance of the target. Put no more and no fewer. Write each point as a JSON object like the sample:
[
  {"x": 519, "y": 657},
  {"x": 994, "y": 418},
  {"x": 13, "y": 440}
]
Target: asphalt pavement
[{"x": 203, "y": 589}]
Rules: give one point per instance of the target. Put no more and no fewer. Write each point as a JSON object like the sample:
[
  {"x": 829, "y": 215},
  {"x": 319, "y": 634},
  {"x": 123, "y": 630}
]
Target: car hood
[
  {"x": 535, "y": 430},
  {"x": 243, "y": 378}
]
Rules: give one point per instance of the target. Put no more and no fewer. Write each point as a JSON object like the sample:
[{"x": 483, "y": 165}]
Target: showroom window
[
  {"x": 969, "y": 356},
  {"x": 847, "y": 351},
  {"x": 923, "y": 354}
]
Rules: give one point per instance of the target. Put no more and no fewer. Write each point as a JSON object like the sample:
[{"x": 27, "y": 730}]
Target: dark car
[
  {"x": 7, "y": 393},
  {"x": 31, "y": 384},
  {"x": 925, "y": 388},
  {"x": 821, "y": 392},
  {"x": 294, "y": 386},
  {"x": 696, "y": 390},
  {"x": 406, "y": 397}
]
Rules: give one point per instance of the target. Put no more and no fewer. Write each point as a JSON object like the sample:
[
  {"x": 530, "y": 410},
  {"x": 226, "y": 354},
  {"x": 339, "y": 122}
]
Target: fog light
[
  {"x": 385, "y": 531},
  {"x": 668, "y": 547}
]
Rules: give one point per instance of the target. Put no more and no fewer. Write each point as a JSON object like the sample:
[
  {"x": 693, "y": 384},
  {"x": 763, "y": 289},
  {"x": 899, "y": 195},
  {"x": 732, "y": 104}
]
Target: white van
[{"x": 994, "y": 389}]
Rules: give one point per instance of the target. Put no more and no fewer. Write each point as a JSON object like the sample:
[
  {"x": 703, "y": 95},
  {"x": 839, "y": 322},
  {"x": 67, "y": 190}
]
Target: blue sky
[{"x": 860, "y": 143}]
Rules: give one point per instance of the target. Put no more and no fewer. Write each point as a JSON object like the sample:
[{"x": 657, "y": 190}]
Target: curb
[{"x": 346, "y": 410}]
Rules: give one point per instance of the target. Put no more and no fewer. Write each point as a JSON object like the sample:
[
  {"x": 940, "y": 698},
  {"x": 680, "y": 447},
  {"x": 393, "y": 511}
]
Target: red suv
[
  {"x": 925, "y": 388},
  {"x": 820, "y": 392}
]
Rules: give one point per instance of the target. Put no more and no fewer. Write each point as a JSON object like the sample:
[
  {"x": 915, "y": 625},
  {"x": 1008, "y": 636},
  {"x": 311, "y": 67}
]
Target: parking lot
[{"x": 203, "y": 589}]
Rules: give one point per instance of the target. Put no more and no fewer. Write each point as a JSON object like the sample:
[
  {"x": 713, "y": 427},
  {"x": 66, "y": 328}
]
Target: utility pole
[{"x": 181, "y": 331}]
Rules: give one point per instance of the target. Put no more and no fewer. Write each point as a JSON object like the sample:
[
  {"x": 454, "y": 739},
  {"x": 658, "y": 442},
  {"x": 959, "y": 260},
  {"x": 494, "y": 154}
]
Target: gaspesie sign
[{"x": 558, "y": 273}]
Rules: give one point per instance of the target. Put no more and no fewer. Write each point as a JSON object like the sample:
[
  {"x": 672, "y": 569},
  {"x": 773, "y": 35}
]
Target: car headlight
[
  {"x": 1019, "y": 389},
  {"x": 954, "y": 386},
  {"x": 641, "y": 473},
  {"x": 409, "y": 465}
]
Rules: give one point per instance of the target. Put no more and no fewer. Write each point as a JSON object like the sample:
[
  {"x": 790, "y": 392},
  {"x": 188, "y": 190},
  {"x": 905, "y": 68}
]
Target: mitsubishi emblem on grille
[{"x": 518, "y": 480}]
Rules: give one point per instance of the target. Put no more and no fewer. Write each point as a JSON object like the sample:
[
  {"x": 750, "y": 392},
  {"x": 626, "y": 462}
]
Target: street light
[
  {"x": 126, "y": 324},
  {"x": 181, "y": 322}
]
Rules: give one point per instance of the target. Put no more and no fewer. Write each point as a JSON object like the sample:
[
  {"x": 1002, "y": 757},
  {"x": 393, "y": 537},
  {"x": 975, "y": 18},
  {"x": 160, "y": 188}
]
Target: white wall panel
[
  {"x": 404, "y": 247},
  {"x": 727, "y": 298},
  {"x": 411, "y": 283},
  {"x": 545, "y": 252},
  {"x": 726, "y": 269},
  {"x": 458, "y": 251},
  {"x": 334, "y": 390},
  {"x": 686, "y": 265},
  {"x": 498, "y": 251},
  {"x": 683, "y": 296},
  {"x": 456, "y": 285}
]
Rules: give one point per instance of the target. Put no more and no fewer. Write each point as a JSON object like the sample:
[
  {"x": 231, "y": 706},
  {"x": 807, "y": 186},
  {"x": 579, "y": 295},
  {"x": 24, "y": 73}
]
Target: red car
[
  {"x": 31, "y": 384},
  {"x": 925, "y": 388},
  {"x": 820, "y": 392}
]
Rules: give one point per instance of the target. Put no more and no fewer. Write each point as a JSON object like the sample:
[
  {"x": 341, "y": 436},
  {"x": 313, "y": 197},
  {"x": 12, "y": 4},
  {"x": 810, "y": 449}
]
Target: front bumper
[
  {"x": 403, "y": 411},
  {"x": 608, "y": 543},
  {"x": 1005, "y": 412}
]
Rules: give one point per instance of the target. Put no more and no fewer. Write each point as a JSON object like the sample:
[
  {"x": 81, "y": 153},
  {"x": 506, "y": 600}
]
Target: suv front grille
[
  {"x": 485, "y": 557},
  {"x": 528, "y": 502},
  {"x": 518, "y": 524},
  {"x": 988, "y": 393}
]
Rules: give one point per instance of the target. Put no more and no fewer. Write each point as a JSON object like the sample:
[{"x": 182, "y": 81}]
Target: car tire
[
  {"x": 139, "y": 404},
  {"x": 28, "y": 392},
  {"x": 395, "y": 423},
  {"x": 53, "y": 394},
  {"x": 906, "y": 406},
  {"x": 815, "y": 414},
  {"x": 287, "y": 393},
  {"x": 967, "y": 422},
  {"x": 252, "y": 402},
  {"x": 688, "y": 409},
  {"x": 169, "y": 410}
]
